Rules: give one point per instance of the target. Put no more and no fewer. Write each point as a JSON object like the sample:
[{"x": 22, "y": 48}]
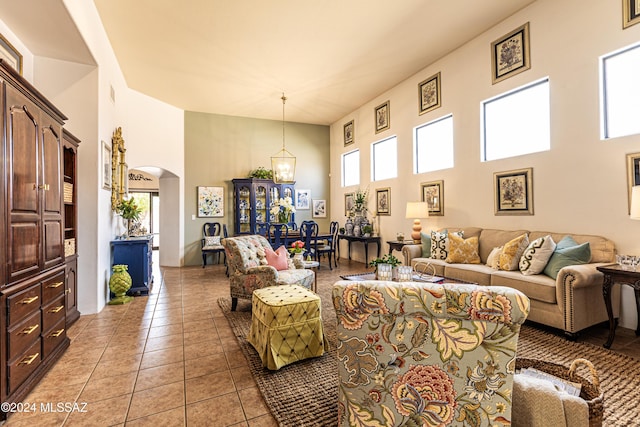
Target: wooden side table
[
  {"x": 363, "y": 240},
  {"x": 313, "y": 265},
  {"x": 396, "y": 245},
  {"x": 615, "y": 273}
]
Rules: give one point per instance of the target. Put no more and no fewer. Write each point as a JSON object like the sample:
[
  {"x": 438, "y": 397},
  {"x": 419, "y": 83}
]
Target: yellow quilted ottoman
[{"x": 286, "y": 325}]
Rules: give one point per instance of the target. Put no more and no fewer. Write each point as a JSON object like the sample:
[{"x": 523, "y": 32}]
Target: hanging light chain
[{"x": 284, "y": 99}]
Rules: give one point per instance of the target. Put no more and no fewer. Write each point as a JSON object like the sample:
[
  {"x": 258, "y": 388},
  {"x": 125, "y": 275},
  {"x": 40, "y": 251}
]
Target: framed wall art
[
  {"x": 348, "y": 203},
  {"x": 429, "y": 94},
  {"x": 106, "y": 166},
  {"x": 633, "y": 174},
  {"x": 319, "y": 208},
  {"x": 348, "y": 133},
  {"x": 210, "y": 202},
  {"x": 303, "y": 199},
  {"x": 383, "y": 201},
  {"x": 513, "y": 192},
  {"x": 510, "y": 54},
  {"x": 10, "y": 54},
  {"x": 631, "y": 12},
  {"x": 381, "y": 113},
  {"x": 433, "y": 193}
]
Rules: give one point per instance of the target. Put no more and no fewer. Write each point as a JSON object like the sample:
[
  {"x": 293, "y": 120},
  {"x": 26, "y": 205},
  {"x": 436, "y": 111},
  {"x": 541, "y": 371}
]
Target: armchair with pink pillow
[{"x": 253, "y": 264}]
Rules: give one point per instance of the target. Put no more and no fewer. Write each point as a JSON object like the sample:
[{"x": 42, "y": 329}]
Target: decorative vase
[
  {"x": 357, "y": 231},
  {"x": 119, "y": 284},
  {"x": 284, "y": 217},
  {"x": 348, "y": 227},
  {"x": 299, "y": 256}
]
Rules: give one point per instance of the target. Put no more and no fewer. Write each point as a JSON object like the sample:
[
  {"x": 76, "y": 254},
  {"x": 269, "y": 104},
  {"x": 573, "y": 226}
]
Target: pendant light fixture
[{"x": 283, "y": 163}]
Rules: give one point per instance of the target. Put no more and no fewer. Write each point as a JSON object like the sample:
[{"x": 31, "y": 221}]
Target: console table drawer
[
  {"x": 24, "y": 334},
  {"x": 23, "y": 303},
  {"x": 52, "y": 313},
  {"x": 52, "y": 339},
  {"x": 52, "y": 287},
  {"x": 20, "y": 368}
]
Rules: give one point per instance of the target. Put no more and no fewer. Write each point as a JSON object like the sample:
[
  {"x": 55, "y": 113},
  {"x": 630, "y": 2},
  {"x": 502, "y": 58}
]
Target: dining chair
[
  {"x": 329, "y": 247},
  {"x": 278, "y": 235},
  {"x": 309, "y": 235},
  {"x": 210, "y": 242}
]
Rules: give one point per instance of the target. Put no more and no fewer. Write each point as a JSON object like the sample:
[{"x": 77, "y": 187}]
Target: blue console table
[{"x": 136, "y": 253}]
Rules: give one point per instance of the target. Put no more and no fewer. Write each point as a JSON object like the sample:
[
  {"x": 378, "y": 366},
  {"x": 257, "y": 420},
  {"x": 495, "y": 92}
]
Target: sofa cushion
[
  {"x": 580, "y": 254},
  {"x": 425, "y": 240},
  {"x": 536, "y": 255},
  {"x": 278, "y": 258},
  {"x": 474, "y": 273},
  {"x": 512, "y": 251},
  {"x": 537, "y": 287},
  {"x": 462, "y": 250},
  {"x": 491, "y": 238}
]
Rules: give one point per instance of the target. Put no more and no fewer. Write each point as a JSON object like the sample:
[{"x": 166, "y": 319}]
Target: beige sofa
[{"x": 572, "y": 302}]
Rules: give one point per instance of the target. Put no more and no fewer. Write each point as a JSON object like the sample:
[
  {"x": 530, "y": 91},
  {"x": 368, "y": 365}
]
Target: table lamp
[
  {"x": 417, "y": 210},
  {"x": 635, "y": 202}
]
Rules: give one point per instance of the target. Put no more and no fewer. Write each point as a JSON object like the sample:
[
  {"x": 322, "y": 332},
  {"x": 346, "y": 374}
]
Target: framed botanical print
[
  {"x": 383, "y": 201},
  {"x": 319, "y": 208},
  {"x": 510, "y": 54},
  {"x": 210, "y": 202},
  {"x": 348, "y": 133},
  {"x": 429, "y": 94},
  {"x": 433, "y": 194},
  {"x": 513, "y": 192},
  {"x": 631, "y": 12},
  {"x": 381, "y": 113},
  {"x": 348, "y": 203},
  {"x": 633, "y": 174}
]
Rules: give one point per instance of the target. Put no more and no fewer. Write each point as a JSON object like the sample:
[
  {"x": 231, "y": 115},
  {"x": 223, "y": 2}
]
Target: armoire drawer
[
  {"x": 22, "y": 366},
  {"x": 23, "y": 303},
  {"x": 52, "y": 313},
  {"x": 53, "y": 338},
  {"x": 52, "y": 287},
  {"x": 24, "y": 334}
]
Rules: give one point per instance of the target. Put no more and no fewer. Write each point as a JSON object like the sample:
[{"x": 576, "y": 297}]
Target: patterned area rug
[{"x": 305, "y": 393}]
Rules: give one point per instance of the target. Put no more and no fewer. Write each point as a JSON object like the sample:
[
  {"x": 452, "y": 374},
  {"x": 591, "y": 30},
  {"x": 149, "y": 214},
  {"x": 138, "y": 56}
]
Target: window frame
[
  {"x": 343, "y": 167},
  {"x": 416, "y": 157},
  {"x": 373, "y": 158}
]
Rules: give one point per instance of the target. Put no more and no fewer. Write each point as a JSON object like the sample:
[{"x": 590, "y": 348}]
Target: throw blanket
[{"x": 537, "y": 403}]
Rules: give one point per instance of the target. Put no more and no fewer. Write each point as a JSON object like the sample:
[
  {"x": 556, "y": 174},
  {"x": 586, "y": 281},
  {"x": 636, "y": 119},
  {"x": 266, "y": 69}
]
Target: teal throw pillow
[
  {"x": 425, "y": 239},
  {"x": 566, "y": 242},
  {"x": 572, "y": 255}
]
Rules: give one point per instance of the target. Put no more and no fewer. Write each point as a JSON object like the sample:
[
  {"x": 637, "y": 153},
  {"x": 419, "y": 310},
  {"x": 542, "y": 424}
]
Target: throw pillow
[
  {"x": 573, "y": 255},
  {"x": 278, "y": 258},
  {"x": 512, "y": 251},
  {"x": 425, "y": 239},
  {"x": 210, "y": 241},
  {"x": 463, "y": 251},
  {"x": 440, "y": 244},
  {"x": 494, "y": 257},
  {"x": 535, "y": 257}
]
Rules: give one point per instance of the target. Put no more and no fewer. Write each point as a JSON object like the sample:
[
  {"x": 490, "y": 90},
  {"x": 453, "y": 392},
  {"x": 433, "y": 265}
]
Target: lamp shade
[
  {"x": 635, "y": 202},
  {"x": 417, "y": 210}
]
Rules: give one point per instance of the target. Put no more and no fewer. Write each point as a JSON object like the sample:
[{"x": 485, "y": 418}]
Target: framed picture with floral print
[
  {"x": 210, "y": 202},
  {"x": 348, "y": 133},
  {"x": 429, "y": 93},
  {"x": 513, "y": 192},
  {"x": 382, "y": 117},
  {"x": 631, "y": 12},
  {"x": 383, "y": 201},
  {"x": 433, "y": 194},
  {"x": 510, "y": 54}
]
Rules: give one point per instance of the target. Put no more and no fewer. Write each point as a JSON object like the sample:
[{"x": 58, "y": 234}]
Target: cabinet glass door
[
  {"x": 262, "y": 214},
  {"x": 244, "y": 206}
]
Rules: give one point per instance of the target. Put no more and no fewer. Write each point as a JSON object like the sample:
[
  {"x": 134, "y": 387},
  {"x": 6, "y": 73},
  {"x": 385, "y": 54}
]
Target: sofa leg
[
  {"x": 571, "y": 336},
  {"x": 234, "y": 303}
]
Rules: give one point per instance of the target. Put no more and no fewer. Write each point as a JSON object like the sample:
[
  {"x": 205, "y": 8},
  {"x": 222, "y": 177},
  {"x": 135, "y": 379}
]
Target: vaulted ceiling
[{"x": 238, "y": 57}]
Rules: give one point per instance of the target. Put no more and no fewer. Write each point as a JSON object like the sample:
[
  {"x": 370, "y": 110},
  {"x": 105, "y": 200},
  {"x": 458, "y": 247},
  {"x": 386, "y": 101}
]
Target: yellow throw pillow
[
  {"x": 512, "y": 251},
  {"x": 463, "y": 251}
]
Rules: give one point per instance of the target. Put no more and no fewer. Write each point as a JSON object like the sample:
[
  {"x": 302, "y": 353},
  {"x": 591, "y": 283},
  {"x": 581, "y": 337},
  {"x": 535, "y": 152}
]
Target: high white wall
[{"x": 579, "y": 186}]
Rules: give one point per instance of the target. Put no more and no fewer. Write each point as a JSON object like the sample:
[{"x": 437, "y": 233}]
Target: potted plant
[
  {"x": 386, "y": 259},
  {"x": 297, "y": 248},
  {"x": 261, "y": 173},
  {"x": 282, "y": 210},
  {"x": 129, "y": 210},
  {"x": 367, "y": 230}
]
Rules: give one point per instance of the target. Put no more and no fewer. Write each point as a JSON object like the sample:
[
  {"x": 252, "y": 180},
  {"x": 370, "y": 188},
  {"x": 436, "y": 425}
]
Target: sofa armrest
[
  {"x": 411, "y": 251},
  {"x": 580, "y": 276},
  {"x": 266, "y": 273}
]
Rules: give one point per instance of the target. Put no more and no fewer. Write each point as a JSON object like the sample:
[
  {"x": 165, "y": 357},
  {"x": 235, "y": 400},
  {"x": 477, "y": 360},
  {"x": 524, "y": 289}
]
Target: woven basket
[{"x": 590, "y": 391}]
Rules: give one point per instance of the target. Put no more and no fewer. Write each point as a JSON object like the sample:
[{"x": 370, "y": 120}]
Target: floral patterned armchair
[
  {"x": 249, "y": 270},
  {"x": 418, "y": 354}
]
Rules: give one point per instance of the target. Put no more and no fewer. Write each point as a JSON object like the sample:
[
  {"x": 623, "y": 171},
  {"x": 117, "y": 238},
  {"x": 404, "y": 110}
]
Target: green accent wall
[{"x": 219, "y": 148}]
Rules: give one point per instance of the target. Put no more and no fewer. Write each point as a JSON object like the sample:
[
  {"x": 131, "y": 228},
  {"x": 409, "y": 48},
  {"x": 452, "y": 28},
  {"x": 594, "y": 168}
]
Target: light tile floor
[{"x": 171, "y": 359}]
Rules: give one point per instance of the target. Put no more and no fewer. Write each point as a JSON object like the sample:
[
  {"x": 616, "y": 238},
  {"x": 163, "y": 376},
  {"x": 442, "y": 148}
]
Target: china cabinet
[
  {"x": 253, "y": 199},
  {"x": 32, "y": 219},
  {"x": 70, "y": 200}
]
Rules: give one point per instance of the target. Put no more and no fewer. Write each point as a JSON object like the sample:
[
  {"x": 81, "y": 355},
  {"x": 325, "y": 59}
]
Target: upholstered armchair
[
  {"x": 426, "y": 354},
  {"x": 249, "y": 269}
]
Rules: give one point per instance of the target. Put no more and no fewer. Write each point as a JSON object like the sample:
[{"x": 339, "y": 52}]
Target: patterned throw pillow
[
  {"x": 512, "y": 251},
  {"x": 536, "y": 256},
  {"x": 463, "y": 251},
  {"x": 494, "y": 257},
  {"x": 440, "y": 244},
  {"x": 211, "y": 241}
]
